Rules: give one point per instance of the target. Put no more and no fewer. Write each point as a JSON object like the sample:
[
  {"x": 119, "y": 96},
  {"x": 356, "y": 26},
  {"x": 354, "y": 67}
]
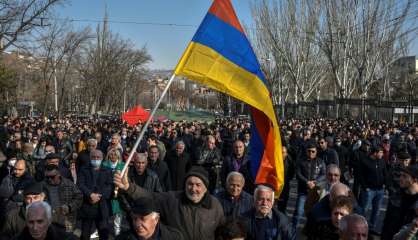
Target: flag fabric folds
[
  {"x": 221, "y": 57},
  {"x": 135, "y": 115}
]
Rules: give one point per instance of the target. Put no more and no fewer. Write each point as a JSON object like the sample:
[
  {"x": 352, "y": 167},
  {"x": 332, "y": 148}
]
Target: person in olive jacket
[{"x": 194, "y": 212}]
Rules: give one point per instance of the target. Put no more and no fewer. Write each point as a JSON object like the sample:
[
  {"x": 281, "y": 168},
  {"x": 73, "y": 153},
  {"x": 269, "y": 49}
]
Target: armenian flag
[{"x": 221, "y": 57}]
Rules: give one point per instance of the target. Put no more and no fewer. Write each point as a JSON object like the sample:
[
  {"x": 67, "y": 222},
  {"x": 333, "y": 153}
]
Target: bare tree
[
  {"x": 111, "y": 69},
  {"x": 57, "y": 48},
  {"x": 19, "y": 17},
  {"x": 283, "y": 36}
]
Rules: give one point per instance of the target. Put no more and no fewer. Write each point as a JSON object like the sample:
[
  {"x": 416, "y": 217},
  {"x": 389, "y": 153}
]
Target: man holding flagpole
[{"x": 221, "y": 57}]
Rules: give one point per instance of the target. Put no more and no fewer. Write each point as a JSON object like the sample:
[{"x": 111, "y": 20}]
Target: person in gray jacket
[{"x": 194, "y": 212}]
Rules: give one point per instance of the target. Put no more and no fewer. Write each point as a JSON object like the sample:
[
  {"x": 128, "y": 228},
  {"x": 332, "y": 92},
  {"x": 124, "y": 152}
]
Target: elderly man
[
  {"x": 142, "y": 176},
  {"x": 96, "y": 185},
  {"x": 239, "y": 162},
  {"x": 178, "y": 162},
  {"x": 146, "y": 223},
  {"x": 193, "y": 211},
  {"x": 16, "y": 218},
  {"x": 353, "y": 226},
  {"x": 321, "y": 211},
  {"x": 38, "y": 224},
  {"x": 64, "y": 197},
  {"x": 234, "y": 200},
  {"x": 264, "y": 221}
]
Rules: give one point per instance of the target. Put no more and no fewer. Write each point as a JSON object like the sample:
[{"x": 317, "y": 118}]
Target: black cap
[
  {"x": 53, "y": 156},
  {"x": 403, "y": 155},
  {"x": 200, "y": 172},
  {"x": 411, "y": 170},
  {"x": 33, "y": 188},
  {"x": 144, "y": 206}
]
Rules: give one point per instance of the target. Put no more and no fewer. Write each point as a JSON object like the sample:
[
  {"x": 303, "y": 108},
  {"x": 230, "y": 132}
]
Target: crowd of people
[{"x": 61, "y": 179}]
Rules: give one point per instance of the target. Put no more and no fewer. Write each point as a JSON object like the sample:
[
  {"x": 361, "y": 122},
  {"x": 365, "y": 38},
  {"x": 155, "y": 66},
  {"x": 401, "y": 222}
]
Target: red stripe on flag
[
  {"x": 223, "y": 9},
  {"x": 267, "y": 170}
]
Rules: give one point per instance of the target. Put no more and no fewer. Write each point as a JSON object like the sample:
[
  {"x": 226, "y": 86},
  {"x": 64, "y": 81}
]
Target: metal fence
[{"x": 367, "y": 109}]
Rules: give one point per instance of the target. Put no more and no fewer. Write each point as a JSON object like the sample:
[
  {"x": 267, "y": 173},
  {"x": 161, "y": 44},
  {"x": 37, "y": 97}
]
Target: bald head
[{"x": 338, "y": 189}]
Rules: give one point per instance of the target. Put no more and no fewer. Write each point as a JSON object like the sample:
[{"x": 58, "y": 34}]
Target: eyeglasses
[
  {"x": 50, "y": 176},
  {"x": 311, "y": 151}
]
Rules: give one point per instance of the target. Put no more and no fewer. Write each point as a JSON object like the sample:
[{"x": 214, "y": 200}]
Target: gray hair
[
  {"x": 234, "y": 173},
  {"x": 333, "y": 166},
  {"x": 263, "y": 188},
  {"x": 338, "y": 188},
  {"x": 43, "y": 205},
  {"x": 142, "y": 156},
  {"x": 96, "y": 151},
  {"x": 351, "y": 219},
  {"x": 180, "y": 142},
  {"x": 92, "y": 141}
]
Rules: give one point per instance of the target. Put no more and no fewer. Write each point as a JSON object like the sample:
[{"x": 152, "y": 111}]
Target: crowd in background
[{"x": 60, "y": 178}]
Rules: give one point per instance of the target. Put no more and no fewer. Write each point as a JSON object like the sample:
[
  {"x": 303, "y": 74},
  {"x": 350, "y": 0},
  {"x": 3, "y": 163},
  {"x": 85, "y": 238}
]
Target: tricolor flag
[{"x": 221, "y": 57}]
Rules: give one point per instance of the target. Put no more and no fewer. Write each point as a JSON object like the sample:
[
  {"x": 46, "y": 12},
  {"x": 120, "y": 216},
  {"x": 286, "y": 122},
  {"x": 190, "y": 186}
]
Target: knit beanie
[{"x": 200, "y": 172}]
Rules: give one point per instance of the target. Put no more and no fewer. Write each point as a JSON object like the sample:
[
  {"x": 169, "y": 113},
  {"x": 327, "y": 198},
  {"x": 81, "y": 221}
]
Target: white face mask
[
  {"x": 113, "y": 165},
  {"x": 12, "y": 162}
]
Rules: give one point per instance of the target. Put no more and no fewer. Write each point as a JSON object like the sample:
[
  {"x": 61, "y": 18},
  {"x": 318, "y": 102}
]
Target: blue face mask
[{"x": 96, "y": 163}]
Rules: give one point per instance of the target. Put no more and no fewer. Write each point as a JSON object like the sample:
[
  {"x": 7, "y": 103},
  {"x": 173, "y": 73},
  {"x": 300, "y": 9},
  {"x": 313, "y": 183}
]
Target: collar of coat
[{"x": 206, "y": 201}]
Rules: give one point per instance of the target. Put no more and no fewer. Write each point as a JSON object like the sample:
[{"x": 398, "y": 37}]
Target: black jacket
[
  {"x": 372, "y": 173},
  {"x": 178, "y": 166},
  {"x": 160, "y": 167},
  {"x": 14, "y": 223},
  {"x": 330, "y": 156},
  {"x": 152, "y": 182},
  {"x": 52, "y": 234},
  {"x": 281, "y": 227},
  {"x": 102, "y": 185},
  {"x": 310, "y": 170}
]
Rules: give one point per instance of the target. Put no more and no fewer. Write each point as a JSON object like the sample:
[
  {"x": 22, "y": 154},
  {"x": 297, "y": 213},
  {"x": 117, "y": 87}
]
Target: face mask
[
  {"x": 338, "y": 144},
  {"x": 12, "y": 163},
  {"x": 123, "y": 136},
  {"x": 113, "y": 165},
  {"x": 96, "y": 163}
]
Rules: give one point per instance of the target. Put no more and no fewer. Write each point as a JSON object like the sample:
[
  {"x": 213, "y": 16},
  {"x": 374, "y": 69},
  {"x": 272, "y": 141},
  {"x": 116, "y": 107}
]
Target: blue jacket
[
  {"x": 233, "y": 208},
  {"x": 277, "y": 229}
]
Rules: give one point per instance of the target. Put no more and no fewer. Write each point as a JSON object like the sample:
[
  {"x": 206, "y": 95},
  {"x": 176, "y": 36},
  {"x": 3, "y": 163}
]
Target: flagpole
[{"x": 144, "y": 128}]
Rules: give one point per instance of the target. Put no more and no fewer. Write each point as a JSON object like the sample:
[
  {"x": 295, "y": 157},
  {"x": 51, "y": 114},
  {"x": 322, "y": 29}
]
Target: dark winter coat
[
  {"x": 103, "y": 185},
  {"x": 195, "y": 221},
  {"x": 160, "y": 167},
  {"x": 281, "y": 226},
  {"x": 178, "y": 166},
  {"x": 162, "y": 233},
  {"x": 14, "y": 223},
  {"x": 310, "y": 170}
]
